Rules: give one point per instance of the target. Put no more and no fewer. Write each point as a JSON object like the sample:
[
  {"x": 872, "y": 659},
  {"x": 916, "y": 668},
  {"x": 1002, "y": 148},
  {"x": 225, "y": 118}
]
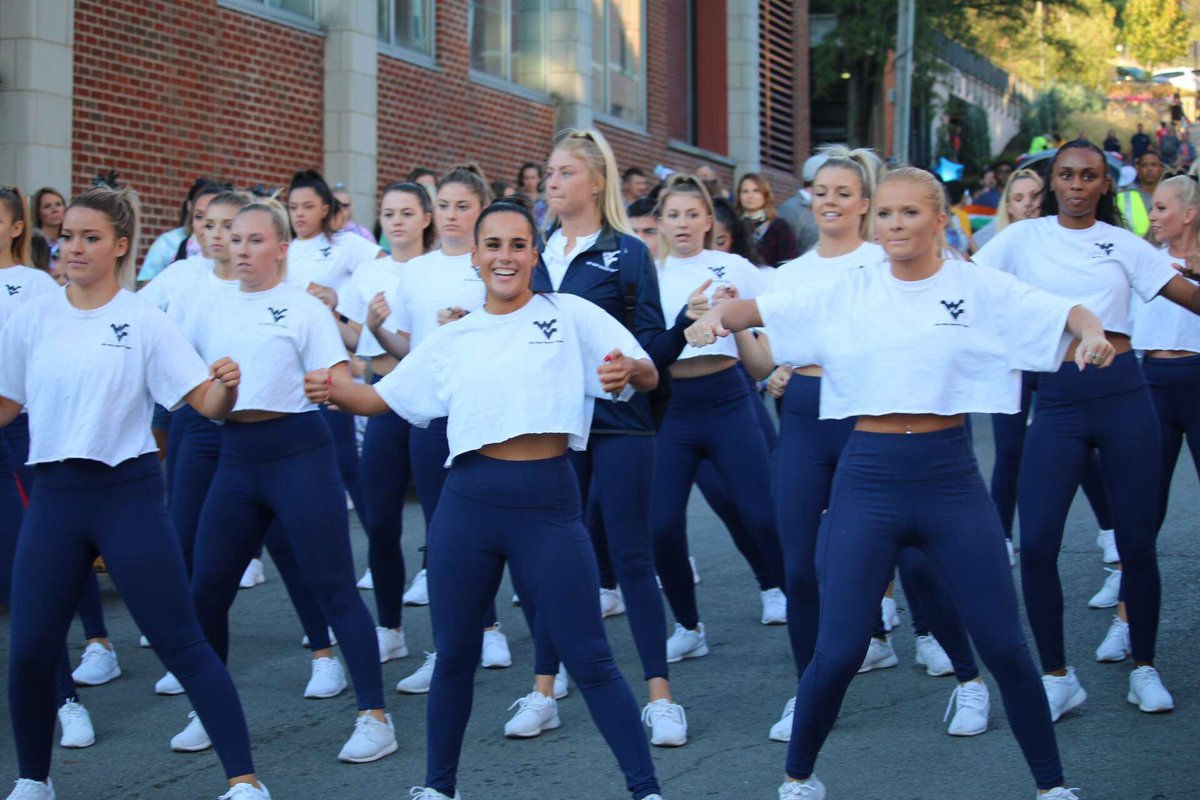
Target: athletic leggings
[
  {"x": 345, "y": 443},
  {"x": 384, "y": 486},
  {"x": 525, "y": 513},
  {"x": 923, "y": 491},
  {"x": 1175, "y": 389},
  {"x": 284, "y": 469},
  {"x": 82, "y": 509},
  {"x": 806, "y": 457},
  {"x": 1107, "y": 410},
  {"x": 1008, "y": 433},
  {"x": 709, "y": 418},
  {"x": 196, "y": 443}
]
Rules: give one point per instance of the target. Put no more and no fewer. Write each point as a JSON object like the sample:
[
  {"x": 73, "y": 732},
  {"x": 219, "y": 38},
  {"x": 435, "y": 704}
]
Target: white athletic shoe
[
  {"x": 1116, "y": 646},
  {"x": 332, "y": 639},
  {"x": 425, "y": 793},
  {"x": 880, "y": 655},
  {"x": 143, "y": 641},
  {"x": 932, "y": 657},
  {"x": 782, "y": 731},
  {"x": 97, "y": 666},
  {"x": 496, "y": 654},
  {"x": 1146, "y": 691},
  {"x": 971, "y": 717},
  {"x": 1110, "y": 593},
  {"x": 561, "y": 687},
  {"x": 193, "y": 738},
  {"x": 391, "y": 644},
  {"x": 888, "y": 613},
  {"x": 168, "y": 685},
  {"x": 77, "y": 730},
  {"x": 1059, "y": 793},
  {"x": 535, "y": 713},
  {"x": 367, "y": 581},
  {"x": 695, "y": 572},
  {"x": 418, "y": 591},
  {"x": 774, "y": 607},
  {"x": 253, "y": 575},
  {"x": 1012, "y": 553},
  {"x": 1063, "y": 693},
  {"x": 419, "y": 681},
  {"x": 686, "y": 644},
  {"x": 247, "y": 791},
  {"x": 811, "y": 789},
  {"x": 1107, "y": 541},
  {"x": 371, "y": 740},
  {"x": 667, "y": 722},
  {"x": 328, "y": 679},
  {"x": 25, "y": 789},
  {"x": 516, "y": 601},
  {"x": 612, "y": 602}
]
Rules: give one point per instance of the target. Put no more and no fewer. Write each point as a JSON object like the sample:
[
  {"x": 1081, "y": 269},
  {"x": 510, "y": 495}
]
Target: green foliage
[
  {"x": 975, "y": 148},
  {"x": 1156, "y": 31}
]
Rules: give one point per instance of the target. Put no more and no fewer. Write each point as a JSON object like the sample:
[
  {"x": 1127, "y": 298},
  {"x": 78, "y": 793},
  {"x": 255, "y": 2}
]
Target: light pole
[{"x": 903, "y": 67}]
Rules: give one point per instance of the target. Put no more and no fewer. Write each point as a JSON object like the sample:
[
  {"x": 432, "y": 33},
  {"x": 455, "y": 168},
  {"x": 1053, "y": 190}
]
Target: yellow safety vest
[{"x": 1133, "y": 209}]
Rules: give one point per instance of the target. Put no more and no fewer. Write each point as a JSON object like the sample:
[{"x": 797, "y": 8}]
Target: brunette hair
[
  {"x": 470, "y": 176},
  {"x": 739, "y": 231},
  {"x": 11, "y": 198},
  {"x": 429, "y": 233},
  {"x": 764, "y": 186},
  {"x": 36, "y": 204},
  {"x": 311, "y": 179}
]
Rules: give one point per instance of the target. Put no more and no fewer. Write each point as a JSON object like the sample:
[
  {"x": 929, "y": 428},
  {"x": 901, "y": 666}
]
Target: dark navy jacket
[{"x": 596, "y": 275}]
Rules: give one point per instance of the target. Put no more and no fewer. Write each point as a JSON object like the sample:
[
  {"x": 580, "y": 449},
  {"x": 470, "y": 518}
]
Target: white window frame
[
  {"x": 259, "y": 8},
  {"x": 403, "y": 52},
  {"x": 506, "y": 82},
  {"x": 601, "y": 105}
]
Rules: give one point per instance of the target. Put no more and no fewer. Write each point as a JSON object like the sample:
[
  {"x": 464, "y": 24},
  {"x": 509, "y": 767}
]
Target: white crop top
[
  {"x": 327, "y": 262},
  {"x": 174, "y": 280},
  {"x": 497, "y": 377},
  {"x": 369, "y": 279},
  {"x": 90, "y": 378},
  {"x": 275, "y": 336},
  {"x": 428, "y": 284},
  {"x": 1163, "y": 325},
  {"x": 679, "y": 277},
  {"x": 1096, "y": 268},
  {"x": 20, "y": 284},
  {"x": 950, "y": 344},
  {"x": 810, "y": 267}
]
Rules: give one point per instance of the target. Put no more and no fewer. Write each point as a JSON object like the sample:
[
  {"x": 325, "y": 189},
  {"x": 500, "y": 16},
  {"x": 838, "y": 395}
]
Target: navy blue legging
[
  {"x": 384, "y": 486},
  {"x": 82, "y": 509},
  {"x": 708, "y": 418},
  {"x": 284, "y": 469},
  {"x": 525, "y": 513},
  {"x": 1008, "y": 434},
  {"x": 923, "y": 491},
  {"x": 1175, "y": 389},
  {"x": 196, "y": 443},
  {"x": 1108, "y": 410},
  {"x": 345, "y": 442}
]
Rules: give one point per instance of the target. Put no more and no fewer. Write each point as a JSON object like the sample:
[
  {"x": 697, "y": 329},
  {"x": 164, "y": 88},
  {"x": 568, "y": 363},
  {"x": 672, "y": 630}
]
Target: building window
[
  {"x": 618, "y": 46},
  {"x": 508, "y": 40},
  {"x": 303, "y": 8},
  {"x": 777, "y": 83},
  {"x": 407, "y": 24},
  {"x": 697, "y": 103}
]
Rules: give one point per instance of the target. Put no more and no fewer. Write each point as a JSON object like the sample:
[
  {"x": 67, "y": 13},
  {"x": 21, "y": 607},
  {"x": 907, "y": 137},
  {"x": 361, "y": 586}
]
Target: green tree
[{"x": 1155, "y": 30}]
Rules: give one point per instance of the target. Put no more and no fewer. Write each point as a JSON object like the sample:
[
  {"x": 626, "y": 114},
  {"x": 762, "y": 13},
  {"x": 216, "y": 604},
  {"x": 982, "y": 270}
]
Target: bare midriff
[
  {"x": 700, "y": 366},
  {"x": 527, "y": 447},
  {"x": 811, "y": 371},
  {"x": 1170, "y": 354},
  {"x": 909, "y": 423},
  {"x": 252, "y": 415},
  {"x": 1119, "y": 341}
]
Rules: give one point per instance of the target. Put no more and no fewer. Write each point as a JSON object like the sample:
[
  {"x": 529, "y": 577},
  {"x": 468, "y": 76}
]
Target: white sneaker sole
[
  {"x": 771, "y": 737},
  {"x": 112, "y": 676},
  {"x": 172, "y": 693},
  {"x": 695, "y": 652},
  {"x": 404, "y": 690},
  {"x": 1075, "y": 701},
  {"x": 931, "y": 672},
  {"x": 667, "y": 743},
  {"x": 1134, "y": 700},
  {"x": 968, "y": 733},
  {"x": 1105, "y": 604},
  {"x": 192, "y": 748},
  {"x": 548, "y": 725},
  {"x": 314, "y": 696},
  {"x": 883, "y": 663},
  {"x": 386, "y": 751},
  {"x": 80, "y": 746},
  {"x": 774, "y": 621},
  {"x": 393, "y": 655}
]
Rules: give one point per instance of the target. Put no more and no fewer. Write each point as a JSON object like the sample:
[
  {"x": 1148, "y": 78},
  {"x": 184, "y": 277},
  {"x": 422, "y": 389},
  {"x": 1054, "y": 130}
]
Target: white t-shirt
[
  {"x": 497, "y": 377},
  {"x": 428, "y": 284},
  {"x": 679, "y": 277},
  {"x": 1096, "y": 268},
  {"x": 1163, "y": 325},
  {"x": 809, "y": 268},
  {"x": 558, "y": 260},
  {"x": 20, "y": 284},
  {"x": 327, "y": 263},
  {"x": 176, "y": 279},
  {"x": 369, "y": 279},
  {"x": 275, "y": 336},
  {"x": 953, "y": 343},
  {"x": 90, "y": 378}
]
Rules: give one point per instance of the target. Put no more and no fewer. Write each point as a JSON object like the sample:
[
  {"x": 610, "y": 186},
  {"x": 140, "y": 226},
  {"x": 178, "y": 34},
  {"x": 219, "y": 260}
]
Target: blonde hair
[
  {"x": 869, "y": 168},
  {"x": 123, "y": 209},
  {"x": 1001, "y": 219},
  {"x": 1187, "y": 192},
  {"x": 280, "y": 221},
  {"x": 682, "y": 183},
  {"x": 764, "y": 188},
  {"x": 591, "y": 146},
  {"x": 931, "y": 188}
]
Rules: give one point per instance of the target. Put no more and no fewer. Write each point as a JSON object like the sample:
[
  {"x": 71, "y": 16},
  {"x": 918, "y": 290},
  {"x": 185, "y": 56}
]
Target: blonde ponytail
[
  {"x": 868, "y": 167},
  {"x": 123, "y": 208},
  {"x": 591, "y": 146}
]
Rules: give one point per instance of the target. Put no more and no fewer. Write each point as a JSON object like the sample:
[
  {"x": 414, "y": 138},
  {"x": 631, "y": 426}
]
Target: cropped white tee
[
  {"x": 679, "y": 277},
  {"x": 428, "y": 284}
]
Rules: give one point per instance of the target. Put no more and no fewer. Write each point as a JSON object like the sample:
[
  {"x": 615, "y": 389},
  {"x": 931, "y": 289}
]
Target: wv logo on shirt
[
  {"x": 1107, "y": 247},
  {"x": 606, "y": 261},
  {"x": 548, "y": 329},
  {"x": 718, "y": 271},
  {"x": 120, "y": 332},
  {"x": 955, "y": 309},
  {"x": 325, "y": 251},
  {"x": 277, "y": 313},
  {"x": 12, "y": 289}
]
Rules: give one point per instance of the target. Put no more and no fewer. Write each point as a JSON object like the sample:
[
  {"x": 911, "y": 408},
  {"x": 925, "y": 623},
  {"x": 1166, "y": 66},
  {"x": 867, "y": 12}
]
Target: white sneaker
[
  {"x": 496, "y": 654},
  {"x": 77, "y": 730},
  {"x": 1116, "y": 646},
  {"x": 25, "y": 789},
  {"x": 668, "y": 723},
  {"x": 425, "y": 793},
  {"x": 168, "y": 685},
  {"x": 516, "y": 601},
  {"x": 811, "y": 789},
  {"x": 695, "y": 572},
  {"x": 253, "y": 575},
  {"x": 143, "y": 641},
  {"x": 1063, "y": 693},
  {"x": 97, "y": 666},
  {"x": 193, "y": 738},
  {"x": 247, "y": 791},
  {"x": 419, "y": 681},
  {"x": 561, "y": 687},
  {"x": 366, "y": 582},
  {"x": 880, "y": 655},
  {"x": 782, "y": 731},
  {"x": 686, "y": 644},
  {"x": 535, "y": 713},
  {"x": 418, "y": 591},
  {"x": 888, "y": 612},
  {"x": 332, "y": 639},
  {"x": 612, "y": 602},
  {"x": 774, "y": 607},
  {"x": 1110, "y": 593},
  {"x": 971, "y": 718},
  {"x": 932, "y": 657},
  {"x": 1146, "y": 691},
  {"x": 1012, "y": 553},
  {"x": 1059, "y": 793},
  {"x": 328, "y": 679},
  {"x": 1107, "y": 541},
  {"x": 391, "y": 644},
  {"x": 371, "y": 740}
]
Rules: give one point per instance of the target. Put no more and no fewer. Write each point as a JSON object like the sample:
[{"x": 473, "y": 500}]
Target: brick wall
[{"x": 169, "y": 91}]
